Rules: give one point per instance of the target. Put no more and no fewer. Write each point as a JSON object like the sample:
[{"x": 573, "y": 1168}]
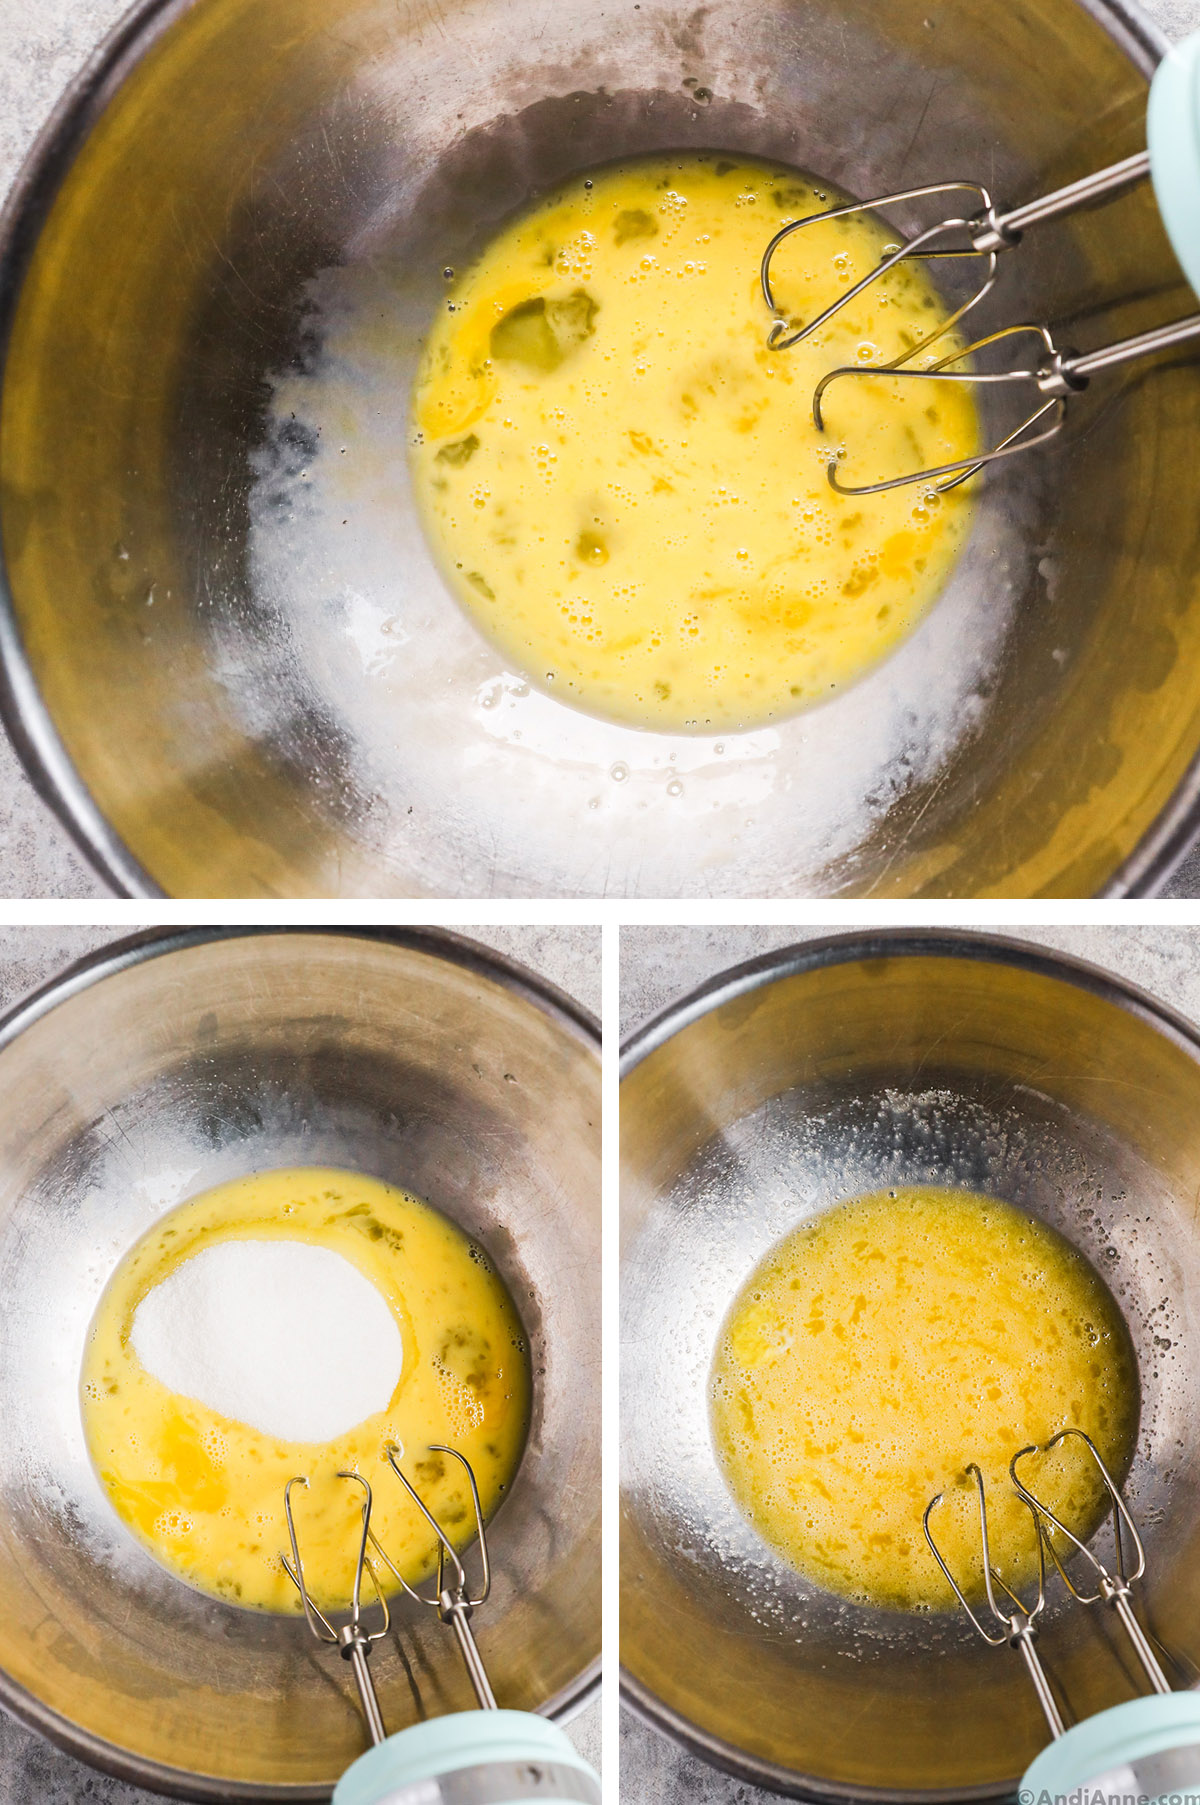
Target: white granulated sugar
[{"x": 287, "y": 1337}]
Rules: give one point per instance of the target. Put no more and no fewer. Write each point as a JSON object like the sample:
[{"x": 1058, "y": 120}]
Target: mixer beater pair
[
  {"x": 1018, "y": 1621},
  {"x": 485, "y": 1757},
  {"x": 451, "y": 1600},
  {"x": 1147, "y": 1745},
  {"x": 1051, "y": 372}
]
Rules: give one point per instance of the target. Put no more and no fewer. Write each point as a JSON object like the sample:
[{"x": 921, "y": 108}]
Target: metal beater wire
[
  {"x": 1057, "y": 375},
  {"x": 987, "y": 233},
  {"x": 923, "y": 245},
  {"x": 453, "y": 1603},
  {"x": 353, "y": 1640},
  {"x": 962, "y": 468},
  {"x": 1112, "y": 1588},
  {"x": 1019, "y": 1626}
]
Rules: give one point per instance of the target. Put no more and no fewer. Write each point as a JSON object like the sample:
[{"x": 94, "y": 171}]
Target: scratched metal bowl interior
[
  {"x": 227, "y": 690},
  {"x": 191, "y": 1060},
  {"x": 818, "y": 1075}
]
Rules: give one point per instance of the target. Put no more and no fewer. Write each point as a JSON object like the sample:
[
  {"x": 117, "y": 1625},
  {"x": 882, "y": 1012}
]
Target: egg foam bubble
[
  {"x": 220, "y": 1365},
  {"x": 626, "y": 487},
  {"x": 885, "y": 1346}
]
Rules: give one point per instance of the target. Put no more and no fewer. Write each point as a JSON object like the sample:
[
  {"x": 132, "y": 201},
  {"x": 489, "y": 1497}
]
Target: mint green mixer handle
[
  {"x": 1171, "y": 157},
  {"x": 1173, "y": 139},
  {"x": 472, "y": 1758},
  {"x": 1172, "y": 161},
  {"x": 1146, "y": 1748}
]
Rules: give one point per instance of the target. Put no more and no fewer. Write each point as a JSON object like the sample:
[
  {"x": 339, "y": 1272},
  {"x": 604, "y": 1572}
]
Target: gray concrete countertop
[
  {"x": 42, "y": 45},
  {"x": 659, "y": 965},
  {"x": 32, "y": 1771}
]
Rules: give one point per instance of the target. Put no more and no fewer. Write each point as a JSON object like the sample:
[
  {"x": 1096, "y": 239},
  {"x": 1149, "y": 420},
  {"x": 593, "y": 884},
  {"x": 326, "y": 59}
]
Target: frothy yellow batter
[
  {"x": 626, "y": 487},
  {"x": 881, "y": 1348},
  {"x": 205, "y": 1492}
]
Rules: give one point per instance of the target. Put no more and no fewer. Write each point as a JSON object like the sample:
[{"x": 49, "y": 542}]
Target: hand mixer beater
[
  {"x": 482, "y": 1757},
  {"x": 1051, "y": 372},
  {"x": 1148, "y": 1747}
]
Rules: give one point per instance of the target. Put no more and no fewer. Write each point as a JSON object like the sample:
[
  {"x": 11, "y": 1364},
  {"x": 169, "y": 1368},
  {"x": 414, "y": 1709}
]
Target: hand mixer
[
  {"x": 1053, "y": 373},
  {"x": 482, "y": 1757},
  {"x": 1148, "y": 1747}
]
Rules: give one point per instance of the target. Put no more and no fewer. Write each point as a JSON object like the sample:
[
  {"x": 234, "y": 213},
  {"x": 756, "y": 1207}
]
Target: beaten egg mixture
[
  {"x": 885, "y": 1345},
  {"x": 626, "y": 487},
  {"x": 205, "y": 1492}
]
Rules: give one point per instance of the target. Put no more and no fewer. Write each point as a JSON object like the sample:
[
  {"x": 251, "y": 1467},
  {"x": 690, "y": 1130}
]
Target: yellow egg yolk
[
  {"x": 627, "y": 489},
  {"x": 883, "y": 1347}
]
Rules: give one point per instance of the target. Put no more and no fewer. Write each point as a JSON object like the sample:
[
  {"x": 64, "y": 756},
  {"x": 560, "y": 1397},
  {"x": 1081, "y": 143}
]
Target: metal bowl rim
[
  {"x": 26, "y": 209},
  {"x": 741, "y": 980},
  {"x": 901, "y": 943},
  {"x": 23, "y": 710},
  {"x": 439, "y": 943},
  {"x": 136, "y": 949}
]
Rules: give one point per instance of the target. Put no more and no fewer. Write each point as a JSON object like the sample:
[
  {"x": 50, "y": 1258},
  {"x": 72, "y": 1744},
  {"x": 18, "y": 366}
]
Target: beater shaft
[
  {"x": 1023, "y": 1641},
  {"x": 1086, "y": 192},
  {"x": 472, "y": 1660},
  {"x": 1142, "y": 1648},
  {"x": 1125, "y": 350},
  {"x": 356, "y": 1653}
]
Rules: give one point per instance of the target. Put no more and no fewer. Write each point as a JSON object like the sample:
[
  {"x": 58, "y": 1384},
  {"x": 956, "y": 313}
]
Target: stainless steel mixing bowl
[
  {"x": 173, "y": 1062},
  {"x": 229, "y": 659},
  {"x": 821, "y": 1072}
]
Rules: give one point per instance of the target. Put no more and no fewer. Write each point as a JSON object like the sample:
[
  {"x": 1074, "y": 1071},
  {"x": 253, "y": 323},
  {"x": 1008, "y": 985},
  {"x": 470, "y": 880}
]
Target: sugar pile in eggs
[
  {"x": 242, "y": 1328},
  {"x": 300, "y": 1323}
]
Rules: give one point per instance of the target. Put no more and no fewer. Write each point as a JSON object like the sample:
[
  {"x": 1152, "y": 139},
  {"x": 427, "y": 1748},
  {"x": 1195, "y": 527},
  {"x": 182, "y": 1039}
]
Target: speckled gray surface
[
  {"x": 42, "y": 44},
  {"x": 32, "y": 1772},
  {"x": 661, "y": 964}
]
